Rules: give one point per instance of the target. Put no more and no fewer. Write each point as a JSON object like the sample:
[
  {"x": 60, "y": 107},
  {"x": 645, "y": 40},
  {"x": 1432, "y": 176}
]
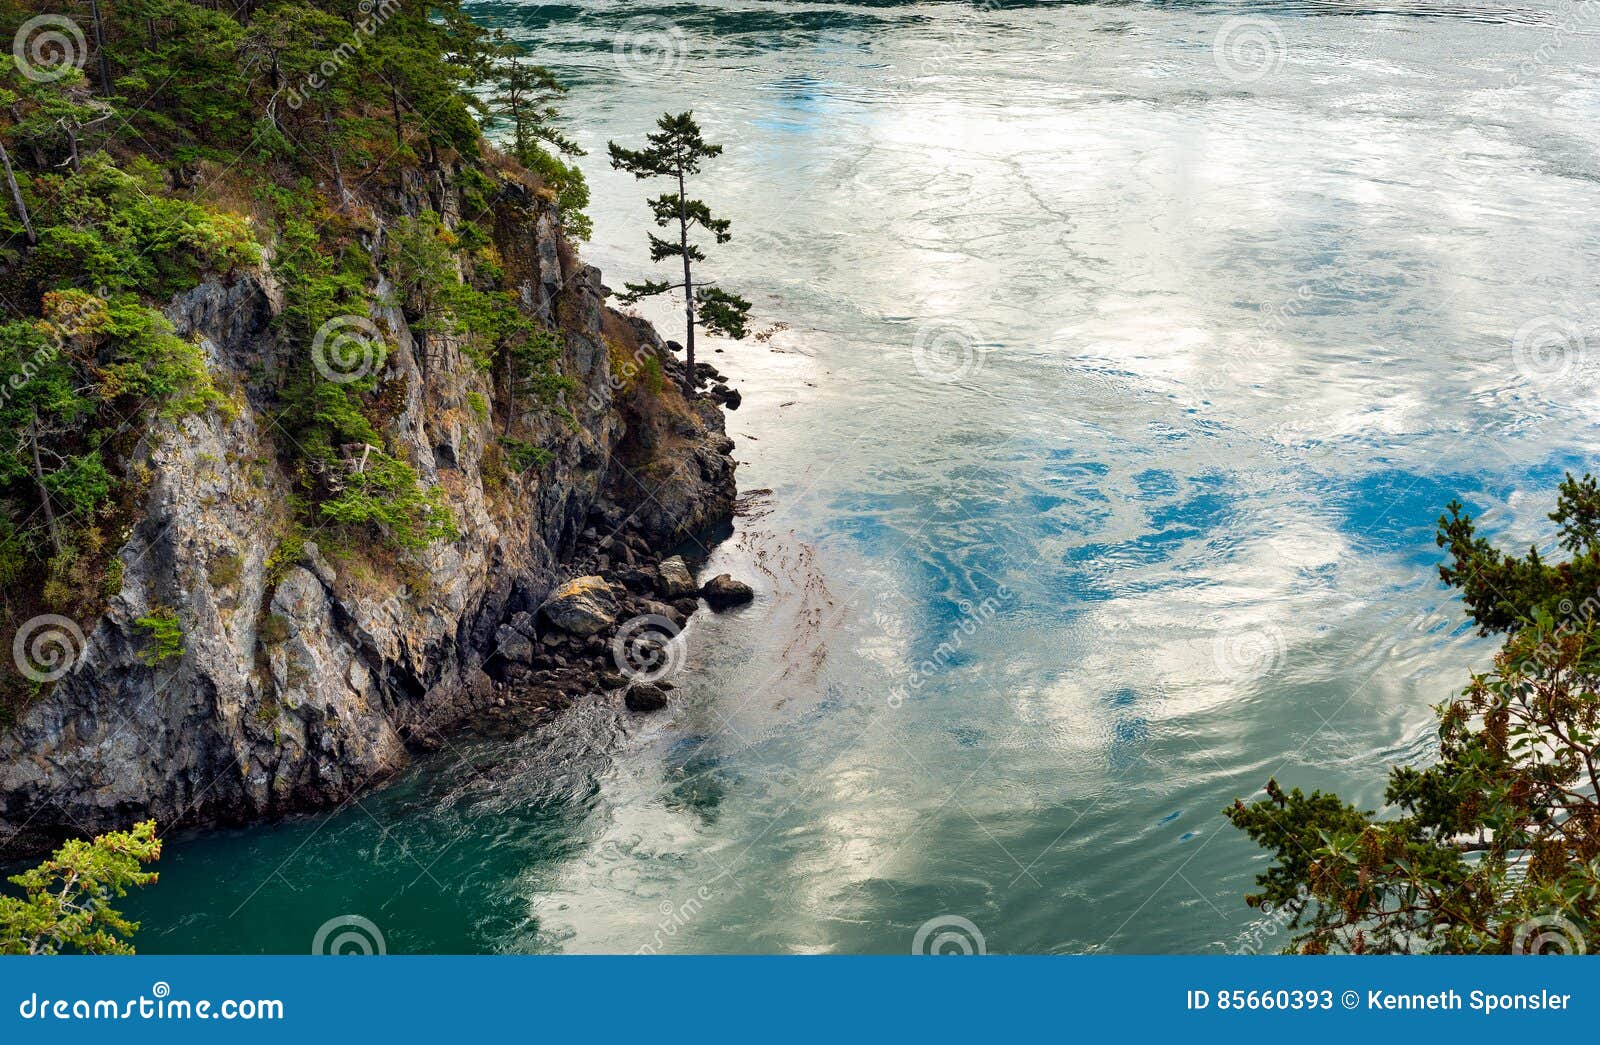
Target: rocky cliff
[{"x": 309, "y": 670}]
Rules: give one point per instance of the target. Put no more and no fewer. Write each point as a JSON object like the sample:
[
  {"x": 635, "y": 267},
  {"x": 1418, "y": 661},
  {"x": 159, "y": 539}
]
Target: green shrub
[
  {"x": 164, "y": 629},
  {"x": 525, "y": 457},
  {"x": 387, "y": 497}
]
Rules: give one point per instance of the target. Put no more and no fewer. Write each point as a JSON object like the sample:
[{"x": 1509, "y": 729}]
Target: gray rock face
[
  {"x": 295, "y": 691},
  {"x": 582, "y": 606},
  {"x": 674, "y": 578},
  {"x": 723, "y": 592}
]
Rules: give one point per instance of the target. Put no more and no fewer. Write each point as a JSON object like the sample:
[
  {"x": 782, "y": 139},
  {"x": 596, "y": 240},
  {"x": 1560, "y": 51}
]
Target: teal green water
[{"x": 1123, "y": 376}]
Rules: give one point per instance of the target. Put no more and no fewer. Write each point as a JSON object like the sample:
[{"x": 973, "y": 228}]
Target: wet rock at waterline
[
  {"x": 645, "y": 698},
  {"x": 722, "y": 592}
]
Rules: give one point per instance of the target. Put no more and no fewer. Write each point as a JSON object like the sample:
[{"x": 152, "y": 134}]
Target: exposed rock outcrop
[{"x": 306, "y": 676}]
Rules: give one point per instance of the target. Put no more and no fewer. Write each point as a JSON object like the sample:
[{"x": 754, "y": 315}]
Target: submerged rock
[
  {"x": 723, "y": 592},
  {"x": 582, "y": 606}
]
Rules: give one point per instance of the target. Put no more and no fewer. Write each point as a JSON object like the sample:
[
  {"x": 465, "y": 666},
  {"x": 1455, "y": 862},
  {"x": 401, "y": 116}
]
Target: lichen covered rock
[{"x": 582, "y": 606}]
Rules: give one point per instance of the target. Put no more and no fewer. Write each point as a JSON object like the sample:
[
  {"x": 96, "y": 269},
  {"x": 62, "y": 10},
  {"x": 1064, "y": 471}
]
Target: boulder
[
  {"x": 513, "y": 645},
  {"x": 645, "y": 698},
  {"x": 675, "y": 579},
  {"x": 523, "y": 621},
  {"x": 639, "y": 580},
  {"x": 582, "y": 606},
  {"x": 661, "y": 609},
  {"x": 723, "y": 592}
]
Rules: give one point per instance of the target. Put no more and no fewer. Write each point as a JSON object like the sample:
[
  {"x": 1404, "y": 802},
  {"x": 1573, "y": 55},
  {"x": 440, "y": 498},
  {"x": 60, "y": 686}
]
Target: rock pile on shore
[{"x": 616, "y": 624}]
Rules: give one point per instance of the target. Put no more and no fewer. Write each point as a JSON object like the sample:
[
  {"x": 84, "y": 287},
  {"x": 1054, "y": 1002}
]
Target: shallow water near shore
[{"x": 1097, "y": 466}]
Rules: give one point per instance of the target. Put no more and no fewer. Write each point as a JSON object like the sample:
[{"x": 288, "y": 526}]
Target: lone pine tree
[{"x": 675, "y": 151}]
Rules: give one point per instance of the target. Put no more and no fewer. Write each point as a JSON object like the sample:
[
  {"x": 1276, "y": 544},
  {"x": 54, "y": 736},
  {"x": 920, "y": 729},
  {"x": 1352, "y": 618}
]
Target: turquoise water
[{"x": 1122, "y": 377}]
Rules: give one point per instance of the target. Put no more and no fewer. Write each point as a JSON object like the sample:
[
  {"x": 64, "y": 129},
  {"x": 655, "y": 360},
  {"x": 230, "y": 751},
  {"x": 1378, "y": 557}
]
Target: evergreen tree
[
  {"x": 1496, "y": 847},
  {"x": 66, "y": 901},
  {"x": 675, "y": 152},
  {"x": 523, "y": 101}
]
